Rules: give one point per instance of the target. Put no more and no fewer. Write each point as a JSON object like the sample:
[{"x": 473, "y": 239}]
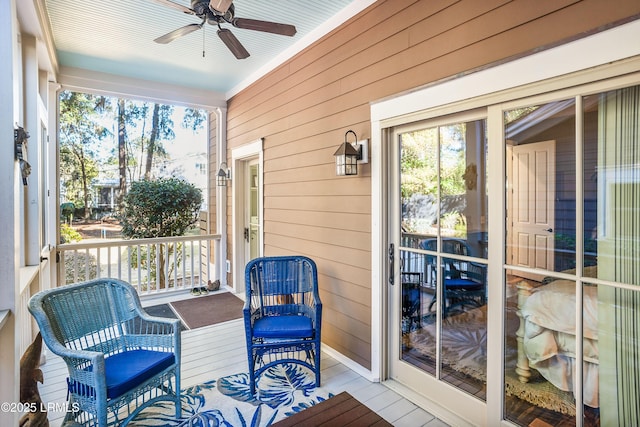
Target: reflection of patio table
[
  {"x": 459, "y": 292},
  {"x": 462, "y": 291}
]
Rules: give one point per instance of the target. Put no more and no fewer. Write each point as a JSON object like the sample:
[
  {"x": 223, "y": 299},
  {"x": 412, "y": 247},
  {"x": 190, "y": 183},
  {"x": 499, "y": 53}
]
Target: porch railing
[{"x": 152, "y": 266}]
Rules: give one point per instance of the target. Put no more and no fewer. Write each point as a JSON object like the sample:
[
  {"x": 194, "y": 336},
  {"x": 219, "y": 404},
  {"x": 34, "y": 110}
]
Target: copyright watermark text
[{"x": 19, "y": 407}]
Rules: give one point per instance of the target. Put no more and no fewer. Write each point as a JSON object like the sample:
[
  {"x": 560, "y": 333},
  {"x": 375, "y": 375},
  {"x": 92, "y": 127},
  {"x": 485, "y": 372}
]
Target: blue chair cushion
[
  {"x": 463, "y": 284},
  {"x": 129, "y": 369},
  {"x": 288, "y": 326}
]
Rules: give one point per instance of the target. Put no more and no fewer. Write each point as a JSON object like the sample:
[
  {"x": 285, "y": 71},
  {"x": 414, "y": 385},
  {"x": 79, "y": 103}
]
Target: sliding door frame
[{"x": 603, "y": 56}]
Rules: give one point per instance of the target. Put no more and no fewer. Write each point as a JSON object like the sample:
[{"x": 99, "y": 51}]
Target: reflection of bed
[
  {"x": 546, "y": 336},
  {"x": 463, "y": 349}
]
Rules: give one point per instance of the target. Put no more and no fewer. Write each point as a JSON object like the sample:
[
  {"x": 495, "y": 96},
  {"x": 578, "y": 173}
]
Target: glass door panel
[
  {"x": 254, "y": 211},
  {"x": 573, "y": 221},
  {"x": 442, "y": 205},
  {"x": 540, "y": 141}
]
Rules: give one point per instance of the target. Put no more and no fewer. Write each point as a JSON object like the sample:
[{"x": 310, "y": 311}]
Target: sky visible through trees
[{"x": 106, "y": 143}]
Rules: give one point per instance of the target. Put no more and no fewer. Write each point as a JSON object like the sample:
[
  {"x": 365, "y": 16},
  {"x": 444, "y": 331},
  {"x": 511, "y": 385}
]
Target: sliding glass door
[
  {"x": 572, "y": 306},
  {"x": 439, "y": 211},
  {"x": 514, "y": 255}
]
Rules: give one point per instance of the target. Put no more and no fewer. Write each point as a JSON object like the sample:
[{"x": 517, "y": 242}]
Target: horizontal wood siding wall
[{"x": 303, "y": 109}]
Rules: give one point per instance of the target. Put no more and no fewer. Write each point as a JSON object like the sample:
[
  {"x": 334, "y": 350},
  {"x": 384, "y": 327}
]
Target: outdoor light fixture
[
  {"x": 348, "y": 155},
  {"x": 223, "y": 175}
]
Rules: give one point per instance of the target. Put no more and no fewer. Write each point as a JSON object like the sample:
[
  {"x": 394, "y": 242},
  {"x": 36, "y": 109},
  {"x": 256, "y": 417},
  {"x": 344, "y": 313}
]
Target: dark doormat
[
  {"x": 340, "y": 410},
  {"x": 163, "y": 310},
  {"x": 200, "y": 311}
]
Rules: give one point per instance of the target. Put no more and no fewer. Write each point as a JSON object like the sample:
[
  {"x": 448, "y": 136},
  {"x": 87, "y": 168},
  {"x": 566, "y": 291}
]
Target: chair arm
[
  {"x": 315, "y": 310},
  {"x": 154, "y": 332},
  {"x": 78, "y": 357},
  {"x": 159, "y": 321},
  {"x": 477, "y": 272},
  {"x": 77, "y": 362},
  {"x": 249, "y": 314}
]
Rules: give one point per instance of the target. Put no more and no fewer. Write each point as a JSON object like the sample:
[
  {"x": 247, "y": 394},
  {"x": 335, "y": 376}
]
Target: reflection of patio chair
[
  {"x": 464, "y": 282},
  {"x": 465, "y": 287},
  {"x": 411, "y": 301},
  {"x": 449, "y": 246}
]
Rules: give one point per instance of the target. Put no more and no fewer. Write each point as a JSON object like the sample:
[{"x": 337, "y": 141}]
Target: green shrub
[{"x": 68, "y": 234}]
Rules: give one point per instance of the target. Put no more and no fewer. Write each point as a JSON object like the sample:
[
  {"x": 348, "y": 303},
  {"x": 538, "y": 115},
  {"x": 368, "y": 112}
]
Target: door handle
[
  {"x": 550, "y": 230},
  {"x": 391, "y": 263}
]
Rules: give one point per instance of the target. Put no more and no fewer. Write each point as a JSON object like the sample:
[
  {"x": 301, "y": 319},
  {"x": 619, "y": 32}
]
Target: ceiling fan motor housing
[{"x": 200, "y": 7}]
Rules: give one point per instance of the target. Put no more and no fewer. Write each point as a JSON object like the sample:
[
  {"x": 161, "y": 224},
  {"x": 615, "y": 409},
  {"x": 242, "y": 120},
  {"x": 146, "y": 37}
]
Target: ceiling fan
[{"x": 215, "y": 12}]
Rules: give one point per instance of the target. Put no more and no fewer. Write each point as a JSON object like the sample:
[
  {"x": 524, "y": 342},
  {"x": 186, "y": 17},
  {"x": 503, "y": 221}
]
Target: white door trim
[{"x": 238, "y": 157}]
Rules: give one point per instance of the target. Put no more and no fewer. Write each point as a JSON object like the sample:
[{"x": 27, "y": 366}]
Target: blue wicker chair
[
  {"x": 282, "y": 314},
  {"x": 120, "y": 359}
]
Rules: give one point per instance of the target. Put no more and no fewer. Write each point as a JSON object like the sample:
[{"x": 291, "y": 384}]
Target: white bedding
[{"x": 549, "y": 337}]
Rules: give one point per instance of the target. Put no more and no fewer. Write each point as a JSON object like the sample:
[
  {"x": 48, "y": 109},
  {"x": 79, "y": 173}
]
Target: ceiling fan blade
[
  {"x": 220, "y": 5},
  {"x": 265, "y": 26},
  {"x": 182, "y": 31},
  {"x": 176, "y": 6},
  {"x": 233, "y": 43}
]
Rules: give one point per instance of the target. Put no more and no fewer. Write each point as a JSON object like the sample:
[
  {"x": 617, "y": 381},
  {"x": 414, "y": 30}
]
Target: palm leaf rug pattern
[{"x": 283, "y": 390}]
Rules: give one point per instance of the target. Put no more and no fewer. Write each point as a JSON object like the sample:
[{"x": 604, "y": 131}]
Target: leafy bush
[
  {"x": 160, "y": 208},
  {"x": 68, "y": 234}
]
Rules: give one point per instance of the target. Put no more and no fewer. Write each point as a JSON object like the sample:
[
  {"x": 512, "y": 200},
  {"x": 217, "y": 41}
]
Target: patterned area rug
[
  {"x": 284, "y": 390},
  {"x": 464, "y": 349}
]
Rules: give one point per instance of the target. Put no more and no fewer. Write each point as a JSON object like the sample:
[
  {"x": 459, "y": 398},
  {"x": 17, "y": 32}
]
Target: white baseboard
[{"x": 354, "y": 366}]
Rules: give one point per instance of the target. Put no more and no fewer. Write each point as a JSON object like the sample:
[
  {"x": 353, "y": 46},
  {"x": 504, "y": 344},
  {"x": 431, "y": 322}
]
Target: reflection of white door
[
  {"x": 533, "y": 206},
  {"x": 252, "y": 213}
]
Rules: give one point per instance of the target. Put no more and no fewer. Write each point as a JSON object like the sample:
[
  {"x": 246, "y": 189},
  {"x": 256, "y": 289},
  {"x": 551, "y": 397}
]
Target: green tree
[
  {"x": 159, "y": 208},
  {"x": 80, "y": 132},
  {"x": 161, "y": 129},
  {"x": 419, "y": 163},
  {"x": 194, "y": 119},
  {"x": 122, "y": 149}
]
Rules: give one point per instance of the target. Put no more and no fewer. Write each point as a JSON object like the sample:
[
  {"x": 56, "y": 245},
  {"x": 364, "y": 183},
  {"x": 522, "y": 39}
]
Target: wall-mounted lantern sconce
[
  {"x": 349, "y": 154},
  {"x": 223, "y": 175}
]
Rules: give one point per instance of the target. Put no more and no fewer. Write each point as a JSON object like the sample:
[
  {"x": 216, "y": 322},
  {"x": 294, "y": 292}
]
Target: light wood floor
[{"x": 219, "y": 350}]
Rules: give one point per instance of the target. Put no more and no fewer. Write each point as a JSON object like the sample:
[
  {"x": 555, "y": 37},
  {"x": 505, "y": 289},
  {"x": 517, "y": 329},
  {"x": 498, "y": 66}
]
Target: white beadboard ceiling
[{"x": 116, "y": 37}]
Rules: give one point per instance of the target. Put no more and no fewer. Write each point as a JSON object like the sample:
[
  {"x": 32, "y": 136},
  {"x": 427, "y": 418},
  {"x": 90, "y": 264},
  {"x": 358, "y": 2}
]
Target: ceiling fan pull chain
[{"x": 204, "y": 30}]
